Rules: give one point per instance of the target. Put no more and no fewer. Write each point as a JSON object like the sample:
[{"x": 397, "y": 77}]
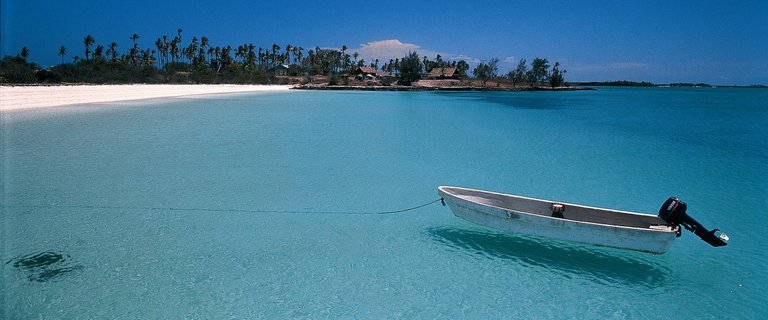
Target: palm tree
[
  {"x": 226, "y": 58},
  {"x": 240, "y": 53},
  {"x": 147, "y": 57},
  {"x": 112, "y": 51},
  {"x": 203, "y": 48},
  {"x": 98, "y": 52},
  {"x": 262, "y": 57},
  {"x": 216, "y": 61},
  {"x": 344, "y": 57},
  {"x": 172, "y": 47},
  {"x": 24, "y": 53},
  {"x": 301, "y": 54},
  {"x": 62, "y": 53},
  {"x": 309, "y": 62},
  {"x": 179, "y": 45},
  {"x": 190, "y": 52},
  {"x": 166, "y": 44},
  {"x": 275, "y": 48},
  {"x": 251, "y": 61},
  {"x": 161, "y": 48},
  {"x": 210, "y": 53},
  {"x": 133, "y": 54},
  {"x": 88, "y": 41},
  {"x": 288, "y": 50}
]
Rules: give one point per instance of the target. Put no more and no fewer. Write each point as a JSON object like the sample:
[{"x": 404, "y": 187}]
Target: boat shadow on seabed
[{"x": 602, "y": 265}]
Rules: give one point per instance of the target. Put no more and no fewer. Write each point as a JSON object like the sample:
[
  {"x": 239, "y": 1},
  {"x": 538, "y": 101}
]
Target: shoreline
[
  {"x": 433, "y": 88},
  {"x": 23, "y": 97},
  {"x": 28, "y": 97}
]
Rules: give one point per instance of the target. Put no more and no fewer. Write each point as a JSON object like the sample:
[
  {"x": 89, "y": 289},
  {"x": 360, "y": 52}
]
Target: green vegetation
[
  {"x": 538, "y": 71},
  {"x": 394, "y": 66},
  {"x": 410, "y": 69},
  {"x": 17, "y": 70},
  {"x": 172, "y": 59},
  {"x": 24, "y": 53},
  {"x": 557, "y": 77},
  {"x": 485, "y": 71},
  {"x": 519, "y": 74}
]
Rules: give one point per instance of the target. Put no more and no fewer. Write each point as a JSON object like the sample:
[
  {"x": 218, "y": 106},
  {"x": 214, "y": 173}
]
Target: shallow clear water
[{"x": 95, "y": 222}]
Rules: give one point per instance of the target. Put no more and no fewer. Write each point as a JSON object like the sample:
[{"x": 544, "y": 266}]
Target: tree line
[
  {"x": 411, "y": 70},
  {"x": 171, "y": 60}
]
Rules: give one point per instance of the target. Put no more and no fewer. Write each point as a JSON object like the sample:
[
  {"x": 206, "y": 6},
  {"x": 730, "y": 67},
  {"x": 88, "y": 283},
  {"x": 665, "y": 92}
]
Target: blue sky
[{"x": 719, "y": 42}]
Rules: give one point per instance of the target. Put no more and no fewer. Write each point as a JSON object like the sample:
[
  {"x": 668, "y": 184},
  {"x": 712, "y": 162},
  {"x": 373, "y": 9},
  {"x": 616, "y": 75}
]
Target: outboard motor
[{"x": 674, "y": 212}]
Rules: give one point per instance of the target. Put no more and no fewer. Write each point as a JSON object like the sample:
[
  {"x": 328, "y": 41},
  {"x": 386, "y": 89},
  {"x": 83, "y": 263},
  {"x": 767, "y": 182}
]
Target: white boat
[{"x": 571, "y": 222}]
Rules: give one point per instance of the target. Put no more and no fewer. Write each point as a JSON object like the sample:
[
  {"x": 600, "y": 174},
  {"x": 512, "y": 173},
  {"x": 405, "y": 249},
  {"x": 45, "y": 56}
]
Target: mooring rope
[{"x": 225, "y": 210}]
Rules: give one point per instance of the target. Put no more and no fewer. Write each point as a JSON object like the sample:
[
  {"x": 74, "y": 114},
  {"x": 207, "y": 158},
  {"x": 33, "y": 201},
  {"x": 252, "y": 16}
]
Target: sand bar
[{"x": 15, "y": 98}]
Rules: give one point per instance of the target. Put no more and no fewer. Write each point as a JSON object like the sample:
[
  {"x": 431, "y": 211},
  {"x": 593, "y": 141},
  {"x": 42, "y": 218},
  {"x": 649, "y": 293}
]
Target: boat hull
[{"x": 523, "y": 215}]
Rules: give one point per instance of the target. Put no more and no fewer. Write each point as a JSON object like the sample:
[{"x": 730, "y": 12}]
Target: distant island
[{"x": 624, "y": 83}]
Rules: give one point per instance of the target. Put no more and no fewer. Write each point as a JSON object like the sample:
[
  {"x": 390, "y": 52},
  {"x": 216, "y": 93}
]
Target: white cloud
[
  {"x": 395, "y": 49},
  {"x": 388, "y": 49},
  {"x": 510, "y": 59}
]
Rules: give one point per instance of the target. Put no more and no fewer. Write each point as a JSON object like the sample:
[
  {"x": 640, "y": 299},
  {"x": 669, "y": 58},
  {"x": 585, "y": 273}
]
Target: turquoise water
[{"x": 102, "y": 219}]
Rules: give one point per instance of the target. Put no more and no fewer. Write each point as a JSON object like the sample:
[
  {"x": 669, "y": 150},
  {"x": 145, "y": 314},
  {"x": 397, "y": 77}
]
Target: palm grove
[{"x": 179, "y": 60}]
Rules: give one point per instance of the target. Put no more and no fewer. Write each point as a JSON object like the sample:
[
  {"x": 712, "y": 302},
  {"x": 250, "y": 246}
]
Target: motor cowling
[{"x": 674, "y": 212}]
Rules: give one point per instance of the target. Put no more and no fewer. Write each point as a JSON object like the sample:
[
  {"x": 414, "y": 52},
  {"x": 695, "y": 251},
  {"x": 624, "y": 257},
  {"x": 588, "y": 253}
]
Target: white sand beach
[{"x": 14, "y": 98}]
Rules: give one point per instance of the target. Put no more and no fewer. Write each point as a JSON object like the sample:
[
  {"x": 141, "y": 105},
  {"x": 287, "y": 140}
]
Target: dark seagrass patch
[{"x": 45, "y": 266}]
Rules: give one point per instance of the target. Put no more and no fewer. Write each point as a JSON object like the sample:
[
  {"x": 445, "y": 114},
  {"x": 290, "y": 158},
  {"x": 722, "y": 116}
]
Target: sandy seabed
[{"x": 15, "y": 98}]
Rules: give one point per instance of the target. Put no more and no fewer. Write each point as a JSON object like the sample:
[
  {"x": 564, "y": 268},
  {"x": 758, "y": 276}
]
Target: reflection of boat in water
[
  {"x": 608, "y": 267},
  {"x": 570, "y": 222}
]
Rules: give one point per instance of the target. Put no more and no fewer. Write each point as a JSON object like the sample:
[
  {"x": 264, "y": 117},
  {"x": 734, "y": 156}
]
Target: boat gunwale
[{"x": 443, "y": 189}]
